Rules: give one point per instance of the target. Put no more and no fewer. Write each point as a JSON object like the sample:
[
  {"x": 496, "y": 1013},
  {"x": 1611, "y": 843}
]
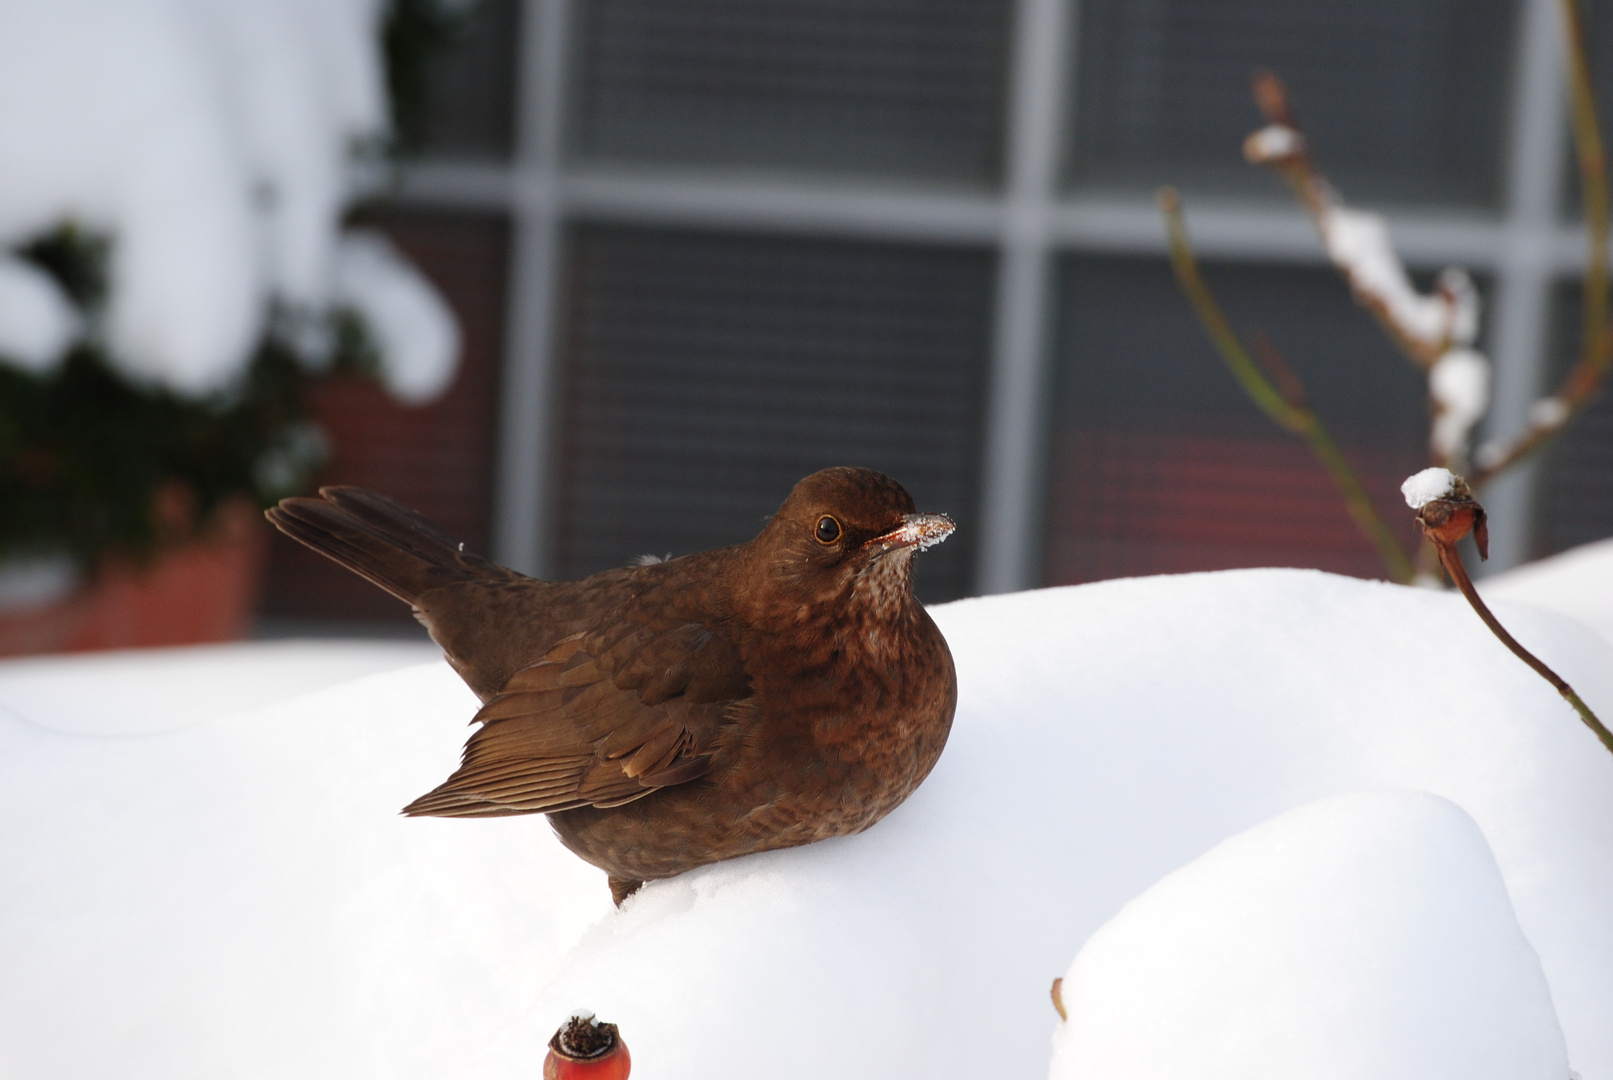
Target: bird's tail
[{"x": 379, "y": 539}]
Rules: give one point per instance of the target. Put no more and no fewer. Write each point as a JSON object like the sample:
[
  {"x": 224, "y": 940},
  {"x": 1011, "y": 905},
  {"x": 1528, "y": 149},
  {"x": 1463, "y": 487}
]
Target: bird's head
[{"x": 845, "y": 531}]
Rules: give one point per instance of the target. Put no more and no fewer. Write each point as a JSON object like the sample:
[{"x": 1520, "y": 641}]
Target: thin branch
[
  {"x": 1445, "y": 521},
  {"x": 1453, "y": 566},
  {"x": 1551, "y": 415},
  {"x": 1294, "y": 415}
]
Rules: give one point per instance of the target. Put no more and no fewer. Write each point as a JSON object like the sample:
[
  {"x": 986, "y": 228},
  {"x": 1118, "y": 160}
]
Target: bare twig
[
  {"x": 1289, "y": 409},
  {"x": 1550, "y": 415},
  {"x": 1445, "y": 519}
]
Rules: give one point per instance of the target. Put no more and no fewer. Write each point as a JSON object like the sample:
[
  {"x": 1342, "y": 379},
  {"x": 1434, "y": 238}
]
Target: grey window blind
[
  {"x": 905, "y": 87},
  {"x": 470, "y": 86},
  {"x": 1160, "y": 464},
  {"x": 705, "y": 374},
  {"x": 1405, "y": 101},
  {"x": 1576, "y": 488}
]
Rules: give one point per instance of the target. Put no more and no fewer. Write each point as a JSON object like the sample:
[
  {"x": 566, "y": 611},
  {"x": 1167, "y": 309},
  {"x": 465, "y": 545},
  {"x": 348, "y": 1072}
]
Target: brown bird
[{"x": 667, "y": 716}]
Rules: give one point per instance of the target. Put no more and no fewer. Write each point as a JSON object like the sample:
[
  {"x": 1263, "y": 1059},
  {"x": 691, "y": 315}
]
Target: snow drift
[
  {"x": 238, "y": 897},
  {"x": 1365, "y": 935}
]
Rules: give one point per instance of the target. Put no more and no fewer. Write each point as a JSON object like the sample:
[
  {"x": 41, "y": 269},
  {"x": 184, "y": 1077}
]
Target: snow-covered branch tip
[
  {"x": 1446, "y": 513},
  {"x": 1435, "y": 330},
  {"x": 217, "y": 145}
]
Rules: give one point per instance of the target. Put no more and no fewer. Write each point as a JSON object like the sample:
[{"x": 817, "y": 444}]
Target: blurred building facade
[{"x": 703, "y": 247}]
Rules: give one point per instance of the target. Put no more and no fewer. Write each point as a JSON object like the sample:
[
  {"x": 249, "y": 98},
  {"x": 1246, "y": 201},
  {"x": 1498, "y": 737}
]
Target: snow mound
[
  {"x": 1366, "y": 935},
  {"x": 239, "y": 897}
]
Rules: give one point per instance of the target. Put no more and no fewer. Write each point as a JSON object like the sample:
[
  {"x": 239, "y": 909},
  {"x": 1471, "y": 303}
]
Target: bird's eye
[{"x": 828, "y": 530}]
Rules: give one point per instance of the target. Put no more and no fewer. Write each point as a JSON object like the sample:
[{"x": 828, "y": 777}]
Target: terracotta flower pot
[{"x": 202, "y": 590}]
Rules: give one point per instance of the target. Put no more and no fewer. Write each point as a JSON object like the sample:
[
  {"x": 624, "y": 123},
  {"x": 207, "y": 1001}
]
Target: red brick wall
[{"x": 437, "y": 459}]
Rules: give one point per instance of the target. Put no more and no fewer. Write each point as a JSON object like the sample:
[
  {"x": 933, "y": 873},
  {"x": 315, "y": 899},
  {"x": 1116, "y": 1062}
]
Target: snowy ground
[{"x": 220, "y": 886}]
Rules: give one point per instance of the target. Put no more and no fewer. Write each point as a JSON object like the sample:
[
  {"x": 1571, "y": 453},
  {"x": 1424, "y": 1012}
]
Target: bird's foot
[{"x": 622, "y": 888}]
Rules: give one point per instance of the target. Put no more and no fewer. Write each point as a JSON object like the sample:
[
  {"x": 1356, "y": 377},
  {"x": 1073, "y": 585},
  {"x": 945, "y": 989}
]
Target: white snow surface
[
  {"x": 416, "y": 332},
  {"x": 1364, "y": 935},
  {"x": 37, "y": 321},
  {"x": 148, "y": 691},
  {"x": 1424, "y": 487},
  {"x": 238, "y": 897},
  {"x": 211, "y": 140}
]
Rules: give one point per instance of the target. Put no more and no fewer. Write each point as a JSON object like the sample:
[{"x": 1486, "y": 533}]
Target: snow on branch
[{"x": 1436, "y": 330}]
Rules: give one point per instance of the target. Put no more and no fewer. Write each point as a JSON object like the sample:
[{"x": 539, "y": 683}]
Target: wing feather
[{"x": 599, "y": 720}]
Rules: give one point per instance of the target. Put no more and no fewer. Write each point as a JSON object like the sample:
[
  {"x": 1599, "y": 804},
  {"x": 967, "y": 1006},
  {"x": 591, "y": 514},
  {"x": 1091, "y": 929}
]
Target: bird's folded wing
[{"x": 602, "y": 719}]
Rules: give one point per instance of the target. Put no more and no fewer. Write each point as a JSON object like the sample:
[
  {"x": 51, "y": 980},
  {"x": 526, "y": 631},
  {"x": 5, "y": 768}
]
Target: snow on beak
[{"x": 916, "y": 531}]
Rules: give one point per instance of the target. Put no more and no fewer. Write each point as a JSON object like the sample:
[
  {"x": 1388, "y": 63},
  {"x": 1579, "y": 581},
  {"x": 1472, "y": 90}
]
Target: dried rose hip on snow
[{"x": 585, "y": 1049}]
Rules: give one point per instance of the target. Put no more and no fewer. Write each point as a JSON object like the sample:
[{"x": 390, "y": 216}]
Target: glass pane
[
  {"x": 437, "y": 458},
  {"x": 708, "y": 373},
  {"x": 469, "y": 106},
  {"x": 909, "y": 87},
  {"x": 1404, "y": 99},
  {"x": 1161, "y": 464},
  {"x": 1575, "y": 493}
]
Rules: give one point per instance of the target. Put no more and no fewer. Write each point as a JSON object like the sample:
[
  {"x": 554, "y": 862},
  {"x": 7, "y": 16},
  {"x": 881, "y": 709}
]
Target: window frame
[{"x": 1526, "y": 249}]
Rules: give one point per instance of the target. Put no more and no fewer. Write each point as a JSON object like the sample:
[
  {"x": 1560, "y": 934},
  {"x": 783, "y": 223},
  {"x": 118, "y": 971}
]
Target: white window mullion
[
  {"x": 522, "y": 490},
  {"x": 1521, "y": 318},
  {"x": 1010, "y": 517}
]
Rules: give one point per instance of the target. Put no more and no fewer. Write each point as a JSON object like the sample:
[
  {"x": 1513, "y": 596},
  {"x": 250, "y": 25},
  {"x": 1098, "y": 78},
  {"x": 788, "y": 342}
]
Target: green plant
[{"x": 84, "y": 452}]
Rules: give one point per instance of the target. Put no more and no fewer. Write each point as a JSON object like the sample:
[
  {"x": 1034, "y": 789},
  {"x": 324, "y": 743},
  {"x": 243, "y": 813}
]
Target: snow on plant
[
  {"x": 173, "y": 264},
  {"x": 37, "y": 321},
  {"x": 415, "y": 333},
  {"x": 1436, "y": 330},
  {"x": 213, "y": 142},
  {"x": 1432, "y": 483}
]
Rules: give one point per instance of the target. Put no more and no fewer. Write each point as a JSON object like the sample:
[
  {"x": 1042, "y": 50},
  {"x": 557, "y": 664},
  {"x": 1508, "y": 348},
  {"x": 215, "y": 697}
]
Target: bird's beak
[{"x": 916, "y": 530}]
